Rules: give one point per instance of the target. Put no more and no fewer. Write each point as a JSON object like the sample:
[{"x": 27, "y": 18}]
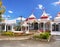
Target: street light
[{"x": 21, "y": 22}]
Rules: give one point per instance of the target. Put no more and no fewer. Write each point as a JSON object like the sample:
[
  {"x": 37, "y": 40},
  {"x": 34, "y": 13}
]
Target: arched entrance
[{"x": 35, "y": 26}]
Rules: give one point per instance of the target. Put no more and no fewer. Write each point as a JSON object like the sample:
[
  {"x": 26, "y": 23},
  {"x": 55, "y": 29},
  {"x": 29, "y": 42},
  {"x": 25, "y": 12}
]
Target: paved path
[
  {"x": 56, "y": 37},
  {"x": 22, "y": 42},
  {"x": 29, "y": 43},
  {"x": 14, "y": 38}
]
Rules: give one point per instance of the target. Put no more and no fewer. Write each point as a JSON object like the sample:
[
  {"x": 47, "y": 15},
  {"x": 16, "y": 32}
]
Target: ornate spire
[
  {"x": 44, "y": 15},
  {"x": 32, "y": 16}
]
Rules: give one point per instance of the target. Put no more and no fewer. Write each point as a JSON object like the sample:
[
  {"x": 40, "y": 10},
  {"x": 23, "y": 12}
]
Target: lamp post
[{"x": 21, "y": 22}]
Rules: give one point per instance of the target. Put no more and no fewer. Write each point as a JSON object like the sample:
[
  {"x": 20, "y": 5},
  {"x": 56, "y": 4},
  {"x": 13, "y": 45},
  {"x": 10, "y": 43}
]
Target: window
[{"x": 55, "y": 27}]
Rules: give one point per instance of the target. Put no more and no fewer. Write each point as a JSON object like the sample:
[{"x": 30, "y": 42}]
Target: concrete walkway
[{"x": 15, "y": 38}]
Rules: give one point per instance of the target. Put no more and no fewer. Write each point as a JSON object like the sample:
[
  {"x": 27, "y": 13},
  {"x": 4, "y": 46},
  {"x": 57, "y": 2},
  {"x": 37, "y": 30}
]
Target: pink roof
[
  {"x": 31, "y": 17},
  {"x": 44, "y": 15}
]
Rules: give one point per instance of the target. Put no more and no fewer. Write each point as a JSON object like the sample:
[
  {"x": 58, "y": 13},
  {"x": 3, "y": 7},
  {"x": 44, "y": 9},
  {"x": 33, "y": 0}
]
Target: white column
[
  {"x": 27, "y": 30},
  {"x": 51, "y": 27},
  {"x": 44, "y": 26},
  {"x": 12, "y": 28},
  {"x": 5, "y": 27}
]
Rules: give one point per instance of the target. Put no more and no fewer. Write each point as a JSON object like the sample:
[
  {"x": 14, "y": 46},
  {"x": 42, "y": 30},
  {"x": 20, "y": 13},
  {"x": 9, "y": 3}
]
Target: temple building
[
  {"x": 56, "y": 25},
  {"x": 44, "y": 23}
]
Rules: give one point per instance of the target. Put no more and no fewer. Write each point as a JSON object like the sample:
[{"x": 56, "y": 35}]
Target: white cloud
[
  {"x": 56, "y": 3},
  {"x": 40, "y": 6},
  {"x": 10, "y": 11},
  {"x": 50, "y": 16}
]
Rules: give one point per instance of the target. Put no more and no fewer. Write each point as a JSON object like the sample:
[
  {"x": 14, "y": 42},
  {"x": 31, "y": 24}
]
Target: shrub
[
  {"x": 36, "y": 36},
  {"x": 9, "y": 33},
  {"x": 44, "y": 35}
]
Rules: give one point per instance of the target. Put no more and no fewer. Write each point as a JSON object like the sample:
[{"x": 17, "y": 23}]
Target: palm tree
[
  {"x": 0, "y": 17},
  {"x": 18, "y": 27},
  {"x": 2, "y": 10}
]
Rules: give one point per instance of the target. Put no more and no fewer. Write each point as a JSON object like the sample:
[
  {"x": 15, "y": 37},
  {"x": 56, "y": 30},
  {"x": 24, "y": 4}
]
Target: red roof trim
[
  {"x": 30, "y": 18},
  {"x": 59, "y": 13},
  {"x": 44, "y": 17}
]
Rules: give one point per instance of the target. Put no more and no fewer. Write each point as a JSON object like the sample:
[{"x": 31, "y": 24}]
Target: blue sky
[{"x": 16, "y": 8}]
